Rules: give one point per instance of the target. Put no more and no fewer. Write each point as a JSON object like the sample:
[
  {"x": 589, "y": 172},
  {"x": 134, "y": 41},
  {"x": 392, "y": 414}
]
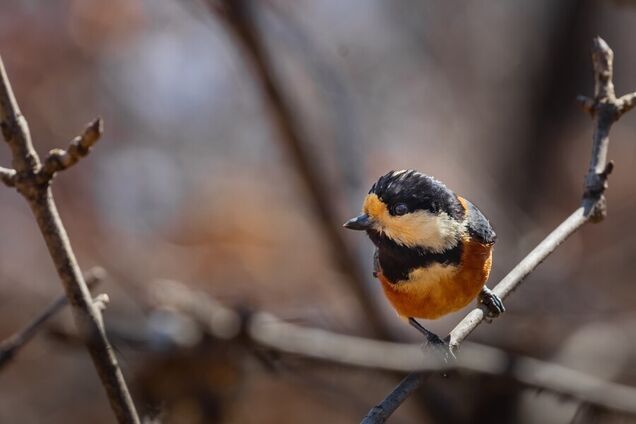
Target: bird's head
[{"x": 412, "y": 210}]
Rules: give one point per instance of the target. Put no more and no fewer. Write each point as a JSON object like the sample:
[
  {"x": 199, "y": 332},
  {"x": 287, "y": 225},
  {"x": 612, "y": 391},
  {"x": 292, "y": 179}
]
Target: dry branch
[
  {"x": 59, "y": 159},
  {"x": 265, "y": 330},
  {"x": 12, "y": 345},
  {"x": 33, "y": 182},
  {"x": 606, "y": 109}
]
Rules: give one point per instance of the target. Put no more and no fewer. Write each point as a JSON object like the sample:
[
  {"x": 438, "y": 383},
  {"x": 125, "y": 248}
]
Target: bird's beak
[{"x": 362, "y": 222}]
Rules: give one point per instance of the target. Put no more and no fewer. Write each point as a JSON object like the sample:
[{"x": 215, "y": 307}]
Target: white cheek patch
[{"x": 435, "y": 232}]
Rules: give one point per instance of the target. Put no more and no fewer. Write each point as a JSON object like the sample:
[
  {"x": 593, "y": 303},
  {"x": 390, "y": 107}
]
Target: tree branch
[
  {"x": 265, "y": 330},
  {"x": 606, "y": 110},
  {"x": 15, "y": 128},
  {"x": 627, "y": 102},
  {"x": 515, "y": 277},
  {"x": 10, "y": 346},
  {"x": 59, "y": 159},
  {"x": 35, "y": 187}
]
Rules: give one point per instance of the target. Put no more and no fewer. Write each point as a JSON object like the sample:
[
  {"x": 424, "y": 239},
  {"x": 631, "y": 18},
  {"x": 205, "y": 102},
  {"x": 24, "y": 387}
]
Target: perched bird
[{"x": 433, "y": 247}]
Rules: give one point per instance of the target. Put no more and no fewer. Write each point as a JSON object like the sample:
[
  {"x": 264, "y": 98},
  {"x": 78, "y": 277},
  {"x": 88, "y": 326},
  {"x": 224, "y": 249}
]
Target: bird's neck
[{"x": 398, "y": 261}]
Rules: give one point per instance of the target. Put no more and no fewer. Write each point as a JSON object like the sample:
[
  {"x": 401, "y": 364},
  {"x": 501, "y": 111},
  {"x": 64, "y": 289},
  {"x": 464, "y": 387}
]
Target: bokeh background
[{"x": 191, "y": 183}]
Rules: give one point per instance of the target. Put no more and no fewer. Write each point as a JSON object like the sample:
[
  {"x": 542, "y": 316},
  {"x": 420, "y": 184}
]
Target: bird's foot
[
  {"x": 439, "y": 348},
  {"x": 434, "y": 343},
  {"x": 492, "y": 302}
]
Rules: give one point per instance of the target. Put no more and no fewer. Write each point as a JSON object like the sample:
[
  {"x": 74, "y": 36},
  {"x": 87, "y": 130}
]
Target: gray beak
[{"x": 362, "y": 222}]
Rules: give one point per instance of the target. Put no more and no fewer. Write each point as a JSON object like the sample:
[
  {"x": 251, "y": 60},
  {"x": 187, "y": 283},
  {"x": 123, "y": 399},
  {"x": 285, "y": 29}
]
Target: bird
[{"x": 433, "y": 248}]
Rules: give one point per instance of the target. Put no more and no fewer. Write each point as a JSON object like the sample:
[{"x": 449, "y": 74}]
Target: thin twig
[
  {"x": 606, "y": 109},
  {"x": 515, "y": 277},
  {"x": 15, "y": 129},
  {"x": 265, "y": 330},
  {"x": 11, "y": 346},
  {"x": 59, "y": 159},
  {"x": 627, "y": 102},
  {"x": 34, "y": 185},
  {"x": 237, "y": 17}
]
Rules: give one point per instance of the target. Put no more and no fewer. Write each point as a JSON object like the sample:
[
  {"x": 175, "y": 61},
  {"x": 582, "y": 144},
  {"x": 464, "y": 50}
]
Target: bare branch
[
  {"x": 10, "y": 346},
  {"x": 603, "y": 64},
  {"x": 59, "y": 159},
  {"x": 382, "y": 411},
  {"x": 38, "y": 193},
  {"x": 515, "y": 277},
  {"x": 7, "y": 176},
  {"x": 606, "y": 110},
  {"x": 527, "y": 371},
  {"x": 627, "y": 102},
  {"x": 15, "y": 128},
  {"x": 266, "y": 330}
]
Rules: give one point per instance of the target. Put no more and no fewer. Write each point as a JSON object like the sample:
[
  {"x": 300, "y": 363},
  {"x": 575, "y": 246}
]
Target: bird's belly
[{"x": 437, "y": 290}]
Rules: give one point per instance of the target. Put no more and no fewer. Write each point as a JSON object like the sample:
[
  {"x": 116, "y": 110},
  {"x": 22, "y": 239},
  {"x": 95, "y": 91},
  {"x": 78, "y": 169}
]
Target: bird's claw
[
  {"x": 434, "y": 343},
  {"x": 439, "y": 347},
  {"x": 492, "y": 302}
]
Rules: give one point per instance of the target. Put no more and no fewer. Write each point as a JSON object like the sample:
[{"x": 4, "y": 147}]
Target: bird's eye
[{"x": 400, "y": 209}]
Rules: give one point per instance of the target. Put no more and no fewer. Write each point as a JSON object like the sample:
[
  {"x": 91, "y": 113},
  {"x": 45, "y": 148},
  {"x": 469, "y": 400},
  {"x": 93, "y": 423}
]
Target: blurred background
[{"x": 193, "y": 181}]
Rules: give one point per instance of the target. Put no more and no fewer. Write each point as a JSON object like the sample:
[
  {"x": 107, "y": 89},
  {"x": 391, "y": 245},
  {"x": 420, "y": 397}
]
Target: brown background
[{"x": 189, "y": 183}]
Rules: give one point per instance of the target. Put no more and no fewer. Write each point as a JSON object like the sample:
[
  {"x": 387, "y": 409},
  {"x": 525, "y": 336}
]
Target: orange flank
[{"x": 437, "y": 290}]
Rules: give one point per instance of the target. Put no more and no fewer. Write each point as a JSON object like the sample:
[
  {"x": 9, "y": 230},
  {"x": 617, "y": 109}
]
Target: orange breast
[{"x": 437, "y": 290}]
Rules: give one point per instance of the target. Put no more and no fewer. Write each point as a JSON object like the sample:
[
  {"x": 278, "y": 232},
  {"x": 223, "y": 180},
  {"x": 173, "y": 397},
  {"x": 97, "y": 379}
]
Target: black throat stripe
[{"x": 398, "y": 261}]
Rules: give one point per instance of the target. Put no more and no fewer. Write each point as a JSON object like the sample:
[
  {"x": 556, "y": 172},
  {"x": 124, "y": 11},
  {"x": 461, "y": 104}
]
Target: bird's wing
[
  {"x": 478, "y": 226},
  {"x": 377, "y": 269}
]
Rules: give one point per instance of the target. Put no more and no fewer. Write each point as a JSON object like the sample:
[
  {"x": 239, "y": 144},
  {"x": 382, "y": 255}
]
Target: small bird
[{"x": 433, "y": 248}]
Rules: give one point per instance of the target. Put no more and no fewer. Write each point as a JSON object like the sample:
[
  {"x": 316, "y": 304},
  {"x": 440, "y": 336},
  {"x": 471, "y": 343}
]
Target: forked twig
[{"x": 33, "y": 181}]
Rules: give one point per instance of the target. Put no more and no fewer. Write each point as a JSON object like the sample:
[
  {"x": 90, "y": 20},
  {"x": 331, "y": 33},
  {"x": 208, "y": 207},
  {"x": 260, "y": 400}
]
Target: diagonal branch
[
  {"x": 515, "y": 277},
  {"x": 606, "y": 110},
  {"x": 37, "y": 191},
  {"x": 264, "y": 330},
  {"x": 11, "y": 346},
  {"x": 15, "y": 128}
]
